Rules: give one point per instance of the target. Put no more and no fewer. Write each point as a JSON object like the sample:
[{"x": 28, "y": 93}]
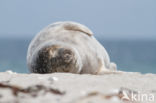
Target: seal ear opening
[{"x": 77, "y": 27}]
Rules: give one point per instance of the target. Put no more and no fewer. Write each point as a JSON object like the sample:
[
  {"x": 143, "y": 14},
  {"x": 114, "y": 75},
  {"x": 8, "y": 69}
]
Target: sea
[{"x": 129, "y": 55}]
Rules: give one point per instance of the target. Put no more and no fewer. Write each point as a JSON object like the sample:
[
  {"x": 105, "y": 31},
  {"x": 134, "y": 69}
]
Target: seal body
[{"x": 68, "y": 47}]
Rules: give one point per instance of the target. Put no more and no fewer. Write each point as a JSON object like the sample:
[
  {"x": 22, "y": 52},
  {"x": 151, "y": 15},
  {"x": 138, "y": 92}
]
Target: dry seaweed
[
  {"x": 119, "y": 95},
  {"x": 32, "y": 90}
]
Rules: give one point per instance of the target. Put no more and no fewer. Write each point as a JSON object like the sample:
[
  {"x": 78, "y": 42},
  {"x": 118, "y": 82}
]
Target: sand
[{"x": 75, "y": 88}]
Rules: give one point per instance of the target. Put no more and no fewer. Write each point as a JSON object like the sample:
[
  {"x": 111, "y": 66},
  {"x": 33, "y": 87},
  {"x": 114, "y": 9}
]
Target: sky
[{"x": 131, "y": 19}]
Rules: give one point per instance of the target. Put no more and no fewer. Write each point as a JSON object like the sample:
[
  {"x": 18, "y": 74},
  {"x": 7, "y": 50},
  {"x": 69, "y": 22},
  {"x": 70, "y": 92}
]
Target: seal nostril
[{"x": 67, "y": 56}]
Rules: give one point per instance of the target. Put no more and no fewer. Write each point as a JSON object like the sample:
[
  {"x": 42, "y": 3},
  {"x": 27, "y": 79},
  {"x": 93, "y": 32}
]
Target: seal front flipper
[
  {"x": 111, "y": 70},
  {"x": 107, "y": 71}
]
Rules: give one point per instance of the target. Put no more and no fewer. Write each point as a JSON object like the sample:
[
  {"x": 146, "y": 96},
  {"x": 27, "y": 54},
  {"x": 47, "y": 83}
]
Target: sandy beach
[{"x": 75, "y": 88}]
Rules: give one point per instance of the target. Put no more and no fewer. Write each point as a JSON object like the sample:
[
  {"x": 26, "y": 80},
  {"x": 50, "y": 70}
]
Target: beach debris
[
  {"x": 122, "y": 94},
  {"x": 52, "y": 79},
  {"x": 32, "y": 90}
]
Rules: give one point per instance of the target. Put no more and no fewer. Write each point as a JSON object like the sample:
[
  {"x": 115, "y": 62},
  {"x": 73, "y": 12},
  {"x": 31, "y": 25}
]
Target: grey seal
[{"x": 68, "y": 47}]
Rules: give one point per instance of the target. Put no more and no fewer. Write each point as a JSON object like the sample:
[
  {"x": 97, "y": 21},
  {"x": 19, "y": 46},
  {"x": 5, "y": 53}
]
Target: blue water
[{"x": 134, "y": 56}]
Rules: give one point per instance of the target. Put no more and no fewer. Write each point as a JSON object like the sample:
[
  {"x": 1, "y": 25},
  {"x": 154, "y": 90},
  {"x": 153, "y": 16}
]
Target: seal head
[{"x": 55, "y": 59}]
